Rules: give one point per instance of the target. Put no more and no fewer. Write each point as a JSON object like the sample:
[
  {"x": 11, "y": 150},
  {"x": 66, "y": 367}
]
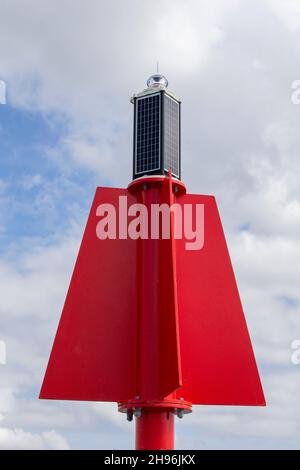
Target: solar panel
[
  {"x": 171, "y": 135},
  {"x": 147, "y": 147},
  {"x": 157, "y": 135}
]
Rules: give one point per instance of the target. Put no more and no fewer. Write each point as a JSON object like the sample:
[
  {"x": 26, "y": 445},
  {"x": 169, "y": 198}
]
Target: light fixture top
[{"x": 157, "y": 80}]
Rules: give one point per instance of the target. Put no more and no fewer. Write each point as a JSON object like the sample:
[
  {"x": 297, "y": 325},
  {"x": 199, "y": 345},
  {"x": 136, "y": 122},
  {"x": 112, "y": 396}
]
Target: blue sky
[
  {"x": 39, "y": 192},
  {"x": 67, "y": 127}
]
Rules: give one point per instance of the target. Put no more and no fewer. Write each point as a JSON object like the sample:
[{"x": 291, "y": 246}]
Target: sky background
[{"x": 70, "y": 67}]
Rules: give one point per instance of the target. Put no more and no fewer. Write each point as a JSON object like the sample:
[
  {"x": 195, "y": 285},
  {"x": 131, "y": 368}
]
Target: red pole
[
  {"x": 155, "y": 430},
  {"x": 157, "y": 361}
]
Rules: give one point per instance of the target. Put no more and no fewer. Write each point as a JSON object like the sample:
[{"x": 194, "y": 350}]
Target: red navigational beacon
[{"x": 153, "y": 319}]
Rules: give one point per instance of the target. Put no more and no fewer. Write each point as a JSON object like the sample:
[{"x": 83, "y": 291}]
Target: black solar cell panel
[
  {"x": 171, "y": 135},
  {"x": 157, "y": 135},
  {"x": 148, "y": 134}
]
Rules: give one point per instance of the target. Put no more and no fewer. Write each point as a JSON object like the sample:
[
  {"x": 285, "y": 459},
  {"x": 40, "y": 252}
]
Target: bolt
[
  {"x": 129, "y": 415},
  {"x": 137, "y": 412},
  {"x": 180, "y": 413}
]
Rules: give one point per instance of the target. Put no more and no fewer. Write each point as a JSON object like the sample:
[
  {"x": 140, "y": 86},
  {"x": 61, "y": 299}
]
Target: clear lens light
[{"x": 157, "y": 81}]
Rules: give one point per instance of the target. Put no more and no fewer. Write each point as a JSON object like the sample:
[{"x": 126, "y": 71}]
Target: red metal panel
[
  {"x": 218, "y": 363},
  {"x": 119, "y": 337},
  {"x": 94, "y": 353}
]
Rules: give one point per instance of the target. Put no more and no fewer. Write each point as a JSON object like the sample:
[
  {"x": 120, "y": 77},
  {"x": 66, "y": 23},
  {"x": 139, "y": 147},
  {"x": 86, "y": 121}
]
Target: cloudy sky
[{"x": 70, "y": 67}]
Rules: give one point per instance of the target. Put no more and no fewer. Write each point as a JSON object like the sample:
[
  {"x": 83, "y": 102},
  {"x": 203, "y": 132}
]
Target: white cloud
[
  {"x": 288, "y": 11},
  {"x": 17, "y": 439},
  {"x": 39, "y": 276},
  {"x": 31, "y": 181},
  {"x": 185, "y": 34}
]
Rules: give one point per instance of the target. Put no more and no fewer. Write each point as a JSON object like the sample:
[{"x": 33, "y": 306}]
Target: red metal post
[
  {"x": 155, "y": 430},
  {"x": 158, "y": 369}
]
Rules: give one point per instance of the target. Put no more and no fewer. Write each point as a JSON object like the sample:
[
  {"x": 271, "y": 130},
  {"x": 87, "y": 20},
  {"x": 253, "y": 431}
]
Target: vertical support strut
[
  {"x": 158, "y": 369},
  {"x": 155, "y": 430}
]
